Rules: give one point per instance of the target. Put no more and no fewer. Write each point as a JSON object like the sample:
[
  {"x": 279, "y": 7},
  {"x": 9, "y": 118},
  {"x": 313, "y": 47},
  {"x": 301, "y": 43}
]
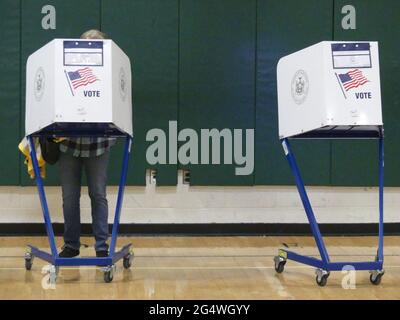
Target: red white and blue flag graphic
[
  {"x": 352, "y": 79},
  {"x": 81, "y": 77}
]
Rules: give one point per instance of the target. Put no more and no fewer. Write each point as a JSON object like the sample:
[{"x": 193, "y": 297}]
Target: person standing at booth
[{"x": 90, "y": 154}]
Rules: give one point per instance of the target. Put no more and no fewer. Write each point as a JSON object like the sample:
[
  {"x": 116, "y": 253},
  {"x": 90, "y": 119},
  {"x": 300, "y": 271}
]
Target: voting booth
[
  {"x": 83, "y": 85},
  {"x": 75, "y": 88},
  {"x": 330, "y": 90}
]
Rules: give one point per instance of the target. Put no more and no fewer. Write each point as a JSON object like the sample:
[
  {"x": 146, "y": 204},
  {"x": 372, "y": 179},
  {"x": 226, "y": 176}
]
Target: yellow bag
[{"x": 24, "y": 148}]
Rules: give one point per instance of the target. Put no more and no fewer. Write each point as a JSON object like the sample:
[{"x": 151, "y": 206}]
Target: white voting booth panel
[
  {"x": 76, "y": 81},
  {"x": 330, "y": 85}
]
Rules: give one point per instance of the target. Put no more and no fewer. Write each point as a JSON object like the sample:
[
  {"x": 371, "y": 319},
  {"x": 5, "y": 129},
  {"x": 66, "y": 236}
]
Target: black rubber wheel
[
  {"x": 28, "y": 264},
  {"x": 376, "y": 280},
  {"x": 108, "y": 276},
  {"x": 127, "y": 262},
  {"x": 280, "y": 267},
  {"x": 322, "y": 281}
]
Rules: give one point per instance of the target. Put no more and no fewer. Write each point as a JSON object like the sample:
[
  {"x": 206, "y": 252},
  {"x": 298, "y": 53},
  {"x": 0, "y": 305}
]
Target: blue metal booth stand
[
  {"x": 324, "y": 265},
  {"x": 107, "y": 263}
]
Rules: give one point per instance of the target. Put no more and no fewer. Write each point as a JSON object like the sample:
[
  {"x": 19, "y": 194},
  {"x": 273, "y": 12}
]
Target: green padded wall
[
  {"x": 73, "y": 17},
  {"x": 356, "y": 163},
  {"x": 9, "y": 91},
  {"x": 285, "y": 27},
  {"x": 208, "y": 64},
  {"x": 148, "y": 32},
  {"x": 217, "y": 75}
]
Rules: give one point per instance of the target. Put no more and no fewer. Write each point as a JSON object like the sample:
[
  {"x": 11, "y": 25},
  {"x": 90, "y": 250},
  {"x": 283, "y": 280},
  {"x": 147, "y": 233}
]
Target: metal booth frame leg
[
  {"x": 125, "y": 253},
  {"x": 45, "y": 209},
  {"x": 380, "y": 256},
  {"x": 324, "y": 265}
]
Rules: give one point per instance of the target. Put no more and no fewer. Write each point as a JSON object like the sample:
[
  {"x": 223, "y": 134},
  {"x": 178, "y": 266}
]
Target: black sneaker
[
  {"x": 68, "y": 252},
  {"x": 102, "y": 254}
]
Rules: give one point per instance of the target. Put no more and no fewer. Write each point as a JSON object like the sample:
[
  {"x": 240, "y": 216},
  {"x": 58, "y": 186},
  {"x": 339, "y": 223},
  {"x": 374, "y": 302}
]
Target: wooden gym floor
[{"x": 202, "y": 268}]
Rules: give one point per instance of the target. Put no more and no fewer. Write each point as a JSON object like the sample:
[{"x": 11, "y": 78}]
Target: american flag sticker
[
  {"x": 352, "y": 79},
  {"x": 80, "y": 78}
]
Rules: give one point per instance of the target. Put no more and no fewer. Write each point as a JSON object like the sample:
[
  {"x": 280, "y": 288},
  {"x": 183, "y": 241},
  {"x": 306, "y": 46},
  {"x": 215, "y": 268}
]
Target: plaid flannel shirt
[{"x": 86, "y": 146}]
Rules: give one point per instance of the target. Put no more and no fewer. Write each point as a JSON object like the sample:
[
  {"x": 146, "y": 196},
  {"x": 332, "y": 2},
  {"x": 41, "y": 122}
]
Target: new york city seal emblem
[{"x": 300, "y": 86}]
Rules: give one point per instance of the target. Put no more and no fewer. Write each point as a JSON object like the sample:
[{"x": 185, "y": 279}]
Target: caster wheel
[
  {"x": 376, "y": 278},
  {"x": 52, "y": 279},
  {"x": 279, "y": 263},
  {"x": 28, "y": 264},
  {"x": 28, "y": 261},
  {"x": 280, "y": 266},
  {"x": 109, "y": 274},
  {"x": 322, "y": 277},
  {"x": 322, "y": 281},
  {"x": 127, "y": 262},
  {"x": 53, "y": 274}
]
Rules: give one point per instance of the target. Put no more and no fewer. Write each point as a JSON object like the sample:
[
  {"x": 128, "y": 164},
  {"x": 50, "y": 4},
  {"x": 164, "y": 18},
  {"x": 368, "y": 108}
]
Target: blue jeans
[{"x": 96, "y": 174}]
